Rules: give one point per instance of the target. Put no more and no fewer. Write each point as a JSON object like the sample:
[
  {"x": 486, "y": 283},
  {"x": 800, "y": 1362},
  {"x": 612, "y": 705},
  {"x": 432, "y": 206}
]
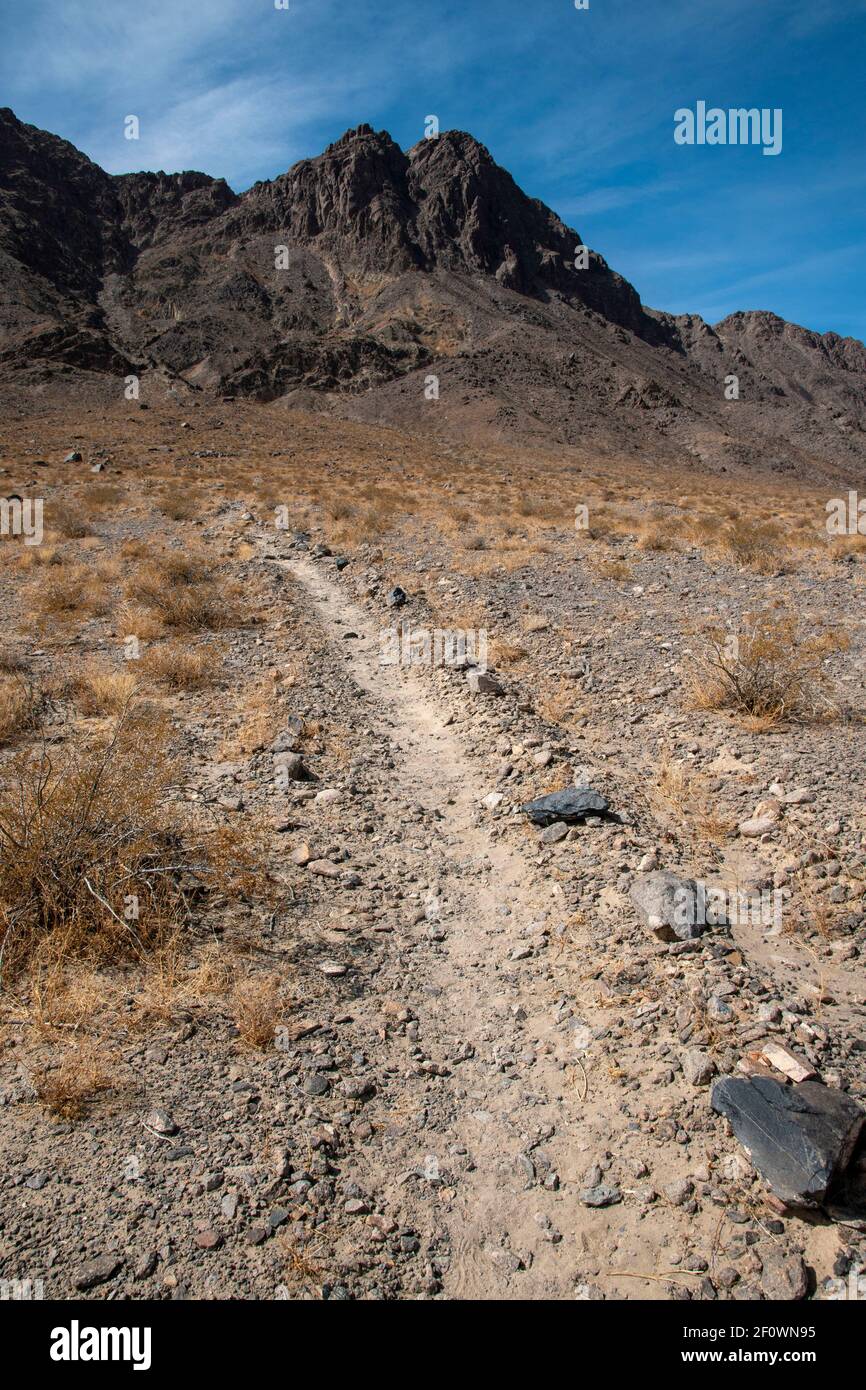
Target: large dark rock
[
  {"x": 572, "y": 805},
  {"x": 800, "y": 1138}
]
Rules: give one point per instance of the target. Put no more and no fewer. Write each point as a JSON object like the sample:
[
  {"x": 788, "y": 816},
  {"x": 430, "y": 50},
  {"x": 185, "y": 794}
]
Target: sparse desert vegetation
[
  {"x": 769, "y": 669},
  {"x": 196, "y": 719}
]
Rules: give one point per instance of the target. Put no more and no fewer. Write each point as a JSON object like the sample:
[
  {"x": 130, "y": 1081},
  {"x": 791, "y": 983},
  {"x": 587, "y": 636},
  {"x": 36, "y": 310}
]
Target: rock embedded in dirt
[
  {"x": 776, "y": 1055},
  {"x": 669, "y": 905},
  {"x": 332, "y": 968},
  {"x": 161, "y": 1122},
  {"x": 552, "y": 834},
  {"x": 483, "y": 683},
  {"x": 698, "y": 1067},
  {"x": 324, "y": 868},
  {"x": 570, "y": 806},
  {"x": 785, "y": 1279},
  {"x": 679, "y": 1191},
  {"x": 603, "y": 1195},
  {"x": 291, "y": 766},
  {"x": 802, "y": 796},
  {"x": 97, "y": 1271},
  {"x": 800, "y": 1138},
  {"x": 208, "y": 1240},
  {"x": 763, "y": 820}
]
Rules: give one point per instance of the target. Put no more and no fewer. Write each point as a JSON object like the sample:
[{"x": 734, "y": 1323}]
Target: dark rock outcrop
[{"x": 800, "y": 1138}]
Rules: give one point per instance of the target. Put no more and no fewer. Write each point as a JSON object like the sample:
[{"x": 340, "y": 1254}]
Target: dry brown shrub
[
  {"x": 67, "y": 521},
  {"x": 656, "y": 537},
  {"x": 63, "y": 590},
  {"x": 11, "y": 662},
  {"x": 767, "y": 672},
  {"x": 64, "y": 996},
  {"x": 607, "y": 567},
  {"x": 134, "y": 620},
  {"x": 757, "y": 546},
  {"x": 38, "y": 556},
  {"x": 178, "y": 506},
  {"x": 182, "y": 589},
  {"x": 84, "y": 834},
  {"x": 104, "y": 495}
]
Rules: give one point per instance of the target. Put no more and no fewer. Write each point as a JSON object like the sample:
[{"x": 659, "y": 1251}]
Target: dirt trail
[{"x": 510, "y": 1114}]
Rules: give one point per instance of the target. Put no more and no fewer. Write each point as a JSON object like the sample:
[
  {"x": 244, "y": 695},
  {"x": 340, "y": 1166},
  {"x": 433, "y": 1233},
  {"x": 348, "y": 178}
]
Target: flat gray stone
[
  {"x": 570, "y": 806},
  {"x": 600, "y": 1196},
  {"x": 97, "y": 1271},
  {"x": 554, "y": 833}
]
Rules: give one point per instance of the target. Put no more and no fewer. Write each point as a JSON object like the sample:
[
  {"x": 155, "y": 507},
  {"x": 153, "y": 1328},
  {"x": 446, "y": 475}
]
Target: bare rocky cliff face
[{"x": 398, "y": 266}]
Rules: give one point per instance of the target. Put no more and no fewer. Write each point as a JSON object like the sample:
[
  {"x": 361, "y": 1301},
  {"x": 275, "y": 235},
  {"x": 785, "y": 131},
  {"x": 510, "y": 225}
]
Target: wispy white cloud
[
  {"x": 615, "y": 196},
  {"x": 835, "y": 259}
]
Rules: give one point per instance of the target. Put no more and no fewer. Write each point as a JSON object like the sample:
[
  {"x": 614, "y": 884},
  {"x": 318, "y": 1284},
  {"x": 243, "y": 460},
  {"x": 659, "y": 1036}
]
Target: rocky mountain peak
[{"x": 393, "y": 263}]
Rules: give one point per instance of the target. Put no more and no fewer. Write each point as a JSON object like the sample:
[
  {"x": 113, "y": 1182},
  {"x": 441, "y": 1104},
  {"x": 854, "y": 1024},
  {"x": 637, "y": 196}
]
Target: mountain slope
[{"x": 355, "y": 277}]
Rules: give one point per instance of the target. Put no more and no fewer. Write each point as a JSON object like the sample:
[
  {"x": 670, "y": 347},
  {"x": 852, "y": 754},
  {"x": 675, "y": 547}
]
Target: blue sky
[{"x": 578, "y": 105}]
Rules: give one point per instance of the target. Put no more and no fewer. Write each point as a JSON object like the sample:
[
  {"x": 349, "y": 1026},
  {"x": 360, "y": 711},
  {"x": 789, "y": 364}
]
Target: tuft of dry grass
[
  {"x": 64, "y": 996},
  {"x": 68, "y": 522},
  {"x": 68, "y": 1090},
  {"x": 504, "y": 653},
  {"x": 100, "y": 690},
  {"x": 655, "y": 537},
  {"x": 63, "y": 590},
  {"x": 179, "y": 506},
  {"x": 679, "y": 793},
  {"x": 259, "y": 725},
  {"x": 257, "y": 1008},
  {"x": 134, "y": 620},
  {"x": 557, "y": 705},
  {"x": 753, "y": 545},
  {"x": 608, "y": 568},
  {"x": 181, "y": 588},
  {"x": 11, "y": 663},
  {"x": 182, "y": 667},
  {"x": 19, "y": 708}
]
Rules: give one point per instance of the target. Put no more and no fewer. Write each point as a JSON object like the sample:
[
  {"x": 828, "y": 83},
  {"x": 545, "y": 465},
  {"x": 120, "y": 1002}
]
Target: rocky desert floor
[{"x": 296, "y": 1001}]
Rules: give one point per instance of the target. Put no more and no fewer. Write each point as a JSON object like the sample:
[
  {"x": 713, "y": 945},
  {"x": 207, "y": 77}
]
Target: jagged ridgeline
[{"x": 356, "y": 276}]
